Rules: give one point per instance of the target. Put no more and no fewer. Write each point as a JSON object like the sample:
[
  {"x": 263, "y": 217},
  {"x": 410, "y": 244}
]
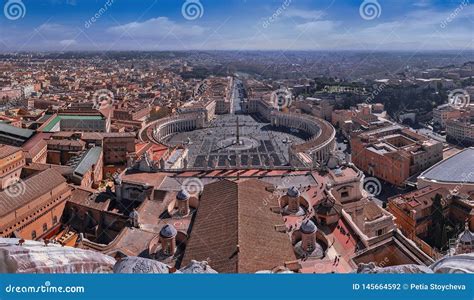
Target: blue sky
[{"x": 62, "y": 25}]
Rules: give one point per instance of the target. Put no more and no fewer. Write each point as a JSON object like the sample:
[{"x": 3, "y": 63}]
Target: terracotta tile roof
[
  {"x": 32, "y": 144},
  {"x": 30, "y": 189},
  {"x": 372, "y": 211},
  {"x": 141, "y": 147},
  {"x": 92, "y": 136},
  {"x": 88, "y": 197},
  {"x": 235, "y": 230},
  {"x": 151, "y": 179},
  {"x": 63, "y": 170},
  {"x": 63, "y": 134},
  {"x": 157, "y": 152},
  {"x": 70, "y": 143},
  {"x": 7, "y": 150},
  {"x": 118, "y": 134},
  {"x": 419, "y": 199}
]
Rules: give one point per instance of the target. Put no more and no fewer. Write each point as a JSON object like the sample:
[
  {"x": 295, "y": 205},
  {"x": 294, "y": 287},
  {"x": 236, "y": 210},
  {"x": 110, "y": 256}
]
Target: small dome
[
  {"x": 308, "y": 227},
  {"x": 293, "y": 192},
  {"x": 182, "y": 195},
  {"x": 168, "y": 231}
]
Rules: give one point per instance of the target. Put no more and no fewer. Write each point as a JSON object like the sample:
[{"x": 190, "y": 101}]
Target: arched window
[
  {"x": 33, "y": 234},
  {"x": 45, "y": 227}
]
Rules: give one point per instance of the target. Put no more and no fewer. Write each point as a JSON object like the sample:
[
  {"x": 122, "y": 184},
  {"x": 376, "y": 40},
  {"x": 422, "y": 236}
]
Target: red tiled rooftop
[
  {"x": 151, "y": 179},
  {"x": 236, "y": 230},
  {"x": 36, "y": 139},
  {"x": 157, "y": 152},
  {"x": 7, "y": 150}
]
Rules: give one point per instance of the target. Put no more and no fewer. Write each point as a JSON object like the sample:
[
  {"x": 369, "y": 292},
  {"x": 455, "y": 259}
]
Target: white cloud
[
  {"x": 304, "y": 14},
  {"x": 316, "y": 26},
  {"x": 54, "y": 29},
  {"x": 422, "y": 3},
  {"x": 67, "y": 43},
  {"x": 157, "y": 27}
]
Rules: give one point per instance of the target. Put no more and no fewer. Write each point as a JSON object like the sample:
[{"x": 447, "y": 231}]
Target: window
[
  {"x": 45, "y": 227},
  {"x": 33, "y": 235},
  {"x": 380, "y": 232},
  {"x": 55, "y": 219},
  {"x": 344, "y": 194}
]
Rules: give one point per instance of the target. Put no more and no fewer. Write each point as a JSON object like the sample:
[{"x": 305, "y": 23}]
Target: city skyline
[
  {"x": 236, "y": 25},
  {"x": 221, "y": 137}
]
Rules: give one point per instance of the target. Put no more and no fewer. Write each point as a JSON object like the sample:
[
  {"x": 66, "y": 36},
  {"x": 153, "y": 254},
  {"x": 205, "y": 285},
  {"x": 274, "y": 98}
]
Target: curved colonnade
[
  {"x": 159, "y": 130},
  {"x": 317, "y": 148},
  {"x": 323, "y": 135}
]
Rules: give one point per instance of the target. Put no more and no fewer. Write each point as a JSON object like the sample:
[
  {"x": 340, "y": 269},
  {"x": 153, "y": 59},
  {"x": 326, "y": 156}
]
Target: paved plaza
[{"x": 261, "y": 143}]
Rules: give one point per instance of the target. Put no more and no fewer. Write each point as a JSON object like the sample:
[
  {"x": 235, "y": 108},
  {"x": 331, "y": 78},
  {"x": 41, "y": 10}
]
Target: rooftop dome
[
  {"x": 168, "y": 231},
  {"x": 182, "y": 195},
  {"x": 293, "y": 192},
  {"x": 308, "y": 227}
]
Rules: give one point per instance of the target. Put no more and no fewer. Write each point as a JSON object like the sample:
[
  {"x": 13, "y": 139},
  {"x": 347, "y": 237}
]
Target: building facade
[
  {"x": 394, "y": 153},
  {"x": 35, "y": 206},
  {"x": 12, "y": 160}
]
